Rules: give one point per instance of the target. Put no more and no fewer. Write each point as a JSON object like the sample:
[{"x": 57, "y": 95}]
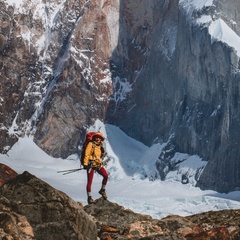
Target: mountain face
[
  {"x": 185, "y": 83},
  {"x": 163, "y": 71},
  {"x": 55, "y": 77}
]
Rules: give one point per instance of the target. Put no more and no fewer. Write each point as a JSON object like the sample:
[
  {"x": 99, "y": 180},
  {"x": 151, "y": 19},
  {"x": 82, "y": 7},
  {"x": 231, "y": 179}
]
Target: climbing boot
[
  {"x": 90, "y": 200},
  {"x": 103, "y": 193}
]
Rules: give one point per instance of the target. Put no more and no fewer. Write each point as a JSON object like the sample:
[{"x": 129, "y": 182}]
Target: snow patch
[
  {"x": 204, "y": 19},
  {"x": 121, "y": 88},
  {"x": 220, "y": 31},
  {"x": 188, "y": 170},
  {"x": 107, "y": 78},
  {"x": 16, "y": 3},
  {"x": 191, "y": 5}
]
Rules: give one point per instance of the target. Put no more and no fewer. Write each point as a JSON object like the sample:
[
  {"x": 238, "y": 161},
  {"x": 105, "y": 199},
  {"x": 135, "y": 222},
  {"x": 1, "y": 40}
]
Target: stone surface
[
  {"x": 50, "y": 212},
  {"x": 54, "y": 70},
  {"x": 6, "y": 174},
  {"x": 184, "y": 84},
  {"x": 13, "y": 225},
  {"x": 115, "y": 222}
]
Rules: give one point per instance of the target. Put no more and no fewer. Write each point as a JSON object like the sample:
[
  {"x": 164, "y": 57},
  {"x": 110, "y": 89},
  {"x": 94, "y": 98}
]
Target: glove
[{"x": 90, "y": 163}]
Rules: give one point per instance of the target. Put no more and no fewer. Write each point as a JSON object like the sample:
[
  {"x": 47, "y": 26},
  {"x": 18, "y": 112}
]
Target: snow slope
[{"x": 217, "y": 27}]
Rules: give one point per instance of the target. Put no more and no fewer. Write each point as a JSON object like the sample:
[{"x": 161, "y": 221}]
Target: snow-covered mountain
[{"x": 165, "y": 72}]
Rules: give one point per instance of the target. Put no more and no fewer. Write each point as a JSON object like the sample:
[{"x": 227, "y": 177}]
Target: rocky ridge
[
  {"x": 32, "y": 209},
  {"x": 115, "y": 222}
]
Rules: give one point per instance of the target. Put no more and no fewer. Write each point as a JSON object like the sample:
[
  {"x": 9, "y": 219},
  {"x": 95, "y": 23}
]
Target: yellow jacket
[{"x": 93, "y": 152}]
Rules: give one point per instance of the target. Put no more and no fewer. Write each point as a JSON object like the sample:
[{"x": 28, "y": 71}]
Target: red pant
[{"x": 90, "y": 174}]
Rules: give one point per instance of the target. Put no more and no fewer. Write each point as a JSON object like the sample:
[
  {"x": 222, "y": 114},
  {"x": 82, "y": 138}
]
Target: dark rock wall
[
  {"x": 18, "y": 68},
  {"x": 184, "y": 85},
  {"x": 78, "y": 97},
  {"x": 208, "y": 112},
  {"x": 142, "y": 58}
]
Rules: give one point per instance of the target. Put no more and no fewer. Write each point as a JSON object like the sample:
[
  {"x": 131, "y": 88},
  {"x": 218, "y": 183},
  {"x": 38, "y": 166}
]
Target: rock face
[
  {"x": 13, "y": 225},
  {"x": 55, "y": 78},
  {"x": 64, "y": 64},
  {"x": 50, "y": 214},
  {"x": 184, "y": 84}
]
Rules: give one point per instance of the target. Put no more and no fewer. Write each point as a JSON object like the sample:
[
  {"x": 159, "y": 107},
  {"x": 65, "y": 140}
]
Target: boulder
[{"x": 50, "y": 212}]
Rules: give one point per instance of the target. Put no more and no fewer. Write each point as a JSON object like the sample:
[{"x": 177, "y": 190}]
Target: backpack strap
[{"x": 93, "y": 149}]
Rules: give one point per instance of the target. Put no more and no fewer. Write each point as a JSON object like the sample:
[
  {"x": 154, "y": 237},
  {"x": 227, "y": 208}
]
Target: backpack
[{"x": 88, "y": 138}]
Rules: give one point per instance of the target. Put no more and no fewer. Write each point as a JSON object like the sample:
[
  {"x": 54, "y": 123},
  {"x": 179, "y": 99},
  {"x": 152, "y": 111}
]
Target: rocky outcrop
[
  {"x": 32, "y": 209},
  {"x": 13, "y": 225},
  {"x": 217, "y": 224},
  {"x": 115, "y": 222},
  {"x": 50, "y": 213}
]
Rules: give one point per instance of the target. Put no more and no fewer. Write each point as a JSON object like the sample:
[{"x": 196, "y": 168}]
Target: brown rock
[
  {"x": 106, "y": 237},
  {"x": 213, "y": 225},
  {"x": 109, "y": 229},
  {"x": 223, "y": 224},
  {"x": 6, "y": 174},
  {"x": 13, "y": 225},
  {"x": 51, "y": 213}
]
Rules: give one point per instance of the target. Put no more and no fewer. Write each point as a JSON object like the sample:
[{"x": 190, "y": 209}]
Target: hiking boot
[
  {"x": 90, "y": 200},
  {"x": 103, "y": 193}
]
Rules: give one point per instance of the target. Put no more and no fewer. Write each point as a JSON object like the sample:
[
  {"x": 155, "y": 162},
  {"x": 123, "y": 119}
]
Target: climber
[{"x": 94, "y": 152}]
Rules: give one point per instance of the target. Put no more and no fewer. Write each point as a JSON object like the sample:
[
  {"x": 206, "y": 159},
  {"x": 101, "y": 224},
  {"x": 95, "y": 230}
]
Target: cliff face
[
  {"x": 184, "y": 83},
  {"x": 153, "y": 68},
  {"x": 55, "y": 78}
]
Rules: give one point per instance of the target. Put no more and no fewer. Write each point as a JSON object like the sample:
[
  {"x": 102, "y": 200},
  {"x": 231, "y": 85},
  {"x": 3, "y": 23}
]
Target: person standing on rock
[{"x": 92, "y": 162}]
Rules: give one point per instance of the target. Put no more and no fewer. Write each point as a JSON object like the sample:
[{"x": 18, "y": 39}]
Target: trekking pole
[
  {"x": 105, "y": 161},
  {"x": 70, "y": 171}
]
